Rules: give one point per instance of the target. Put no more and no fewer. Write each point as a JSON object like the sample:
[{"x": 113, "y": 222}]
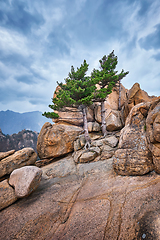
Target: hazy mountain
[
  {"x": 17, "y": 141},
  {"x": 13, "y": 122}
]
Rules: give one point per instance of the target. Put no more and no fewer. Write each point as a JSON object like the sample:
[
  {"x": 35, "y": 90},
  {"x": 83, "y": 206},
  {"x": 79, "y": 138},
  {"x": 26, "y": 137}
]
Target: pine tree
[
  {"x": 106, "y": 77},
  {"x": 78, "y": 91}
]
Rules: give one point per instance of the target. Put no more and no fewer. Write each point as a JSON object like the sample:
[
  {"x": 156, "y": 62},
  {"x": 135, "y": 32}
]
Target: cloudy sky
[{"x": 41, "y": 39}]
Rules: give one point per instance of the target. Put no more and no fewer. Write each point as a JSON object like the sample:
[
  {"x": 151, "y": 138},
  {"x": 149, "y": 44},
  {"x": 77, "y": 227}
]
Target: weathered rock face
[
  {"x": 153, "y": 133},
  {"x": 56, "y": 140},
  {"x": 112, "y": 101},
  {"x": 73, "y": 116},
  {"x": 114, "y": 121},
  {"x": 101, "y": 149},
  {"x": 23, "y": 139},
  {"x": 24, "y": 157},
  {"x": 135, "y": 96},
  {"x": 7, "y": 194},
  {"x": 113, "y": 118},
  {"x": 25, "y": 180},
  {"x": 94, "y": 127},
  {"x": 133, "y": 156},
  {"x": 6, "y": 154},
  {"x": 87, "y": 202}
]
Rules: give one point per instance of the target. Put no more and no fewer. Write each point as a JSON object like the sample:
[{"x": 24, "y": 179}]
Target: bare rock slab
[
  {"x": 25, "y": 180},
  {"x": 24, "y": 157},
  {"x": 7, "y": 195}
]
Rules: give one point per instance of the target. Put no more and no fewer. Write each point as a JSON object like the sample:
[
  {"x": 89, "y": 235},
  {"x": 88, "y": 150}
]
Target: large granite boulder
[
  {"x": 113, "y": 117},
  {"x": 153, "y": 133},
  {"x": 7, "y": 194},
  {"x": 24, "y": 157},
  {"x": 133, "y": 156},
  {"x": 114, "y": 120},
  {"x": 135, "y": 96},
  {"x": 25, "y": 180},
  {"x": 56, "y": 140}
]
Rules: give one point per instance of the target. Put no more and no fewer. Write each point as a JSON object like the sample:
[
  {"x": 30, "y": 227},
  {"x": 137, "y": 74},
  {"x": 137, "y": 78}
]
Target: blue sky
[{"x": 41, "y": 39}]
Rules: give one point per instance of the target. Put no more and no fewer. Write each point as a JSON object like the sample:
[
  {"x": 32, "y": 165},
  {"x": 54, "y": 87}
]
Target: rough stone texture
[
  {"x": 101, "y": 149},
  {"x": 133, "y": 156},
  {"x": 56, "y": 140},
  {"x": 61, "y": 168},
  {"x": 73, "y": 116},
  {"x": 7, "y": 194},
  {"x": 94, "y": 127},
  {"x": 25, "y": 180},
  {"x": 113, "y": 120},
  {"x": 135, "y": 96},
  {"x": 24, "y": 157},
  {"x": 93, "y": 204},
  {"x": 18, "y": 141},
  {"x": 111, "y": 141},
  {"x": 84, "y": 156},
  {"x": 6, "y": 154},
  {"x": 153, "y": 133},
  {"x": 79, "y": 142},
  {"x": 111, "y": 102}
]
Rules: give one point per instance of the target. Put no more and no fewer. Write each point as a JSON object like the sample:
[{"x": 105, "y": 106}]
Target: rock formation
[
  {"x": 24, "y": 157},
  {"x": 135, "y": 96},
  {"x": 25, "y": 180},
  {"x": 133, "y": 156},
  {"x": 7, "y": 194},
  {"x": 23, "y": 139},
  {"x": 83, "y": 195},
  {"x": 73, "y": 116},
  {"x": 153, "y": 133},
  {"x": 86, "y": 201},
  {"x": 56, "y": 140}
]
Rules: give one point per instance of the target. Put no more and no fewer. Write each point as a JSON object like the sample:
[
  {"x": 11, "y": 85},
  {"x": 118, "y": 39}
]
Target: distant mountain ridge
[{"x": 13, "y": 122}]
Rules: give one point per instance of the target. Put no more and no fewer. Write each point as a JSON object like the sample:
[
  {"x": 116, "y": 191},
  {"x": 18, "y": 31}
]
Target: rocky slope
[
  {"x": 110, "y": 191},
  {"x": 25, "y": 138},
  {"x": 88, "y": 202}
]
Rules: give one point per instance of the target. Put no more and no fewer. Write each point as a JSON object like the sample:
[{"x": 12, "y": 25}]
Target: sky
[{"x": 40, "y": 40}]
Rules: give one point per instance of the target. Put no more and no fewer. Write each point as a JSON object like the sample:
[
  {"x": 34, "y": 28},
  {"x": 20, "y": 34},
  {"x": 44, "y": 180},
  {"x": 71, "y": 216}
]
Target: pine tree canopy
[
  {"x": 107, "y": 76},
  {"x": 77, "y": 91}
]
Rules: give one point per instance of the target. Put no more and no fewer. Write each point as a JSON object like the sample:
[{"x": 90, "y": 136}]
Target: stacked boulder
[
  {"x": 17, "y": 178},
  {"x": 139, "y": 145},
  {"x": 58, "y": 139}
]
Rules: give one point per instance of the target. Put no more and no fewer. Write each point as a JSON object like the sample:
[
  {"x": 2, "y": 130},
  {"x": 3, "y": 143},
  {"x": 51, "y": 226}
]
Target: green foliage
[
  {"x": 50, "y": 115},
  {"x": 78, "y": 89},
  {"x": 145, "y": 127},
  {"x": 107, "y": 76}
]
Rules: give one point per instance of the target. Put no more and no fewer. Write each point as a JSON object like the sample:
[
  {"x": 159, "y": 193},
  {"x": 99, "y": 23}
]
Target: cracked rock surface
[{"x": 89, "y": 202}]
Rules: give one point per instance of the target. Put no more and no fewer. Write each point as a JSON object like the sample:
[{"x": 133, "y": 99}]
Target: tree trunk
[
  {"x": 119, "y": 99},
  {"x": 86, "y": 134},
  {"x": 104, "y": 131}
]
